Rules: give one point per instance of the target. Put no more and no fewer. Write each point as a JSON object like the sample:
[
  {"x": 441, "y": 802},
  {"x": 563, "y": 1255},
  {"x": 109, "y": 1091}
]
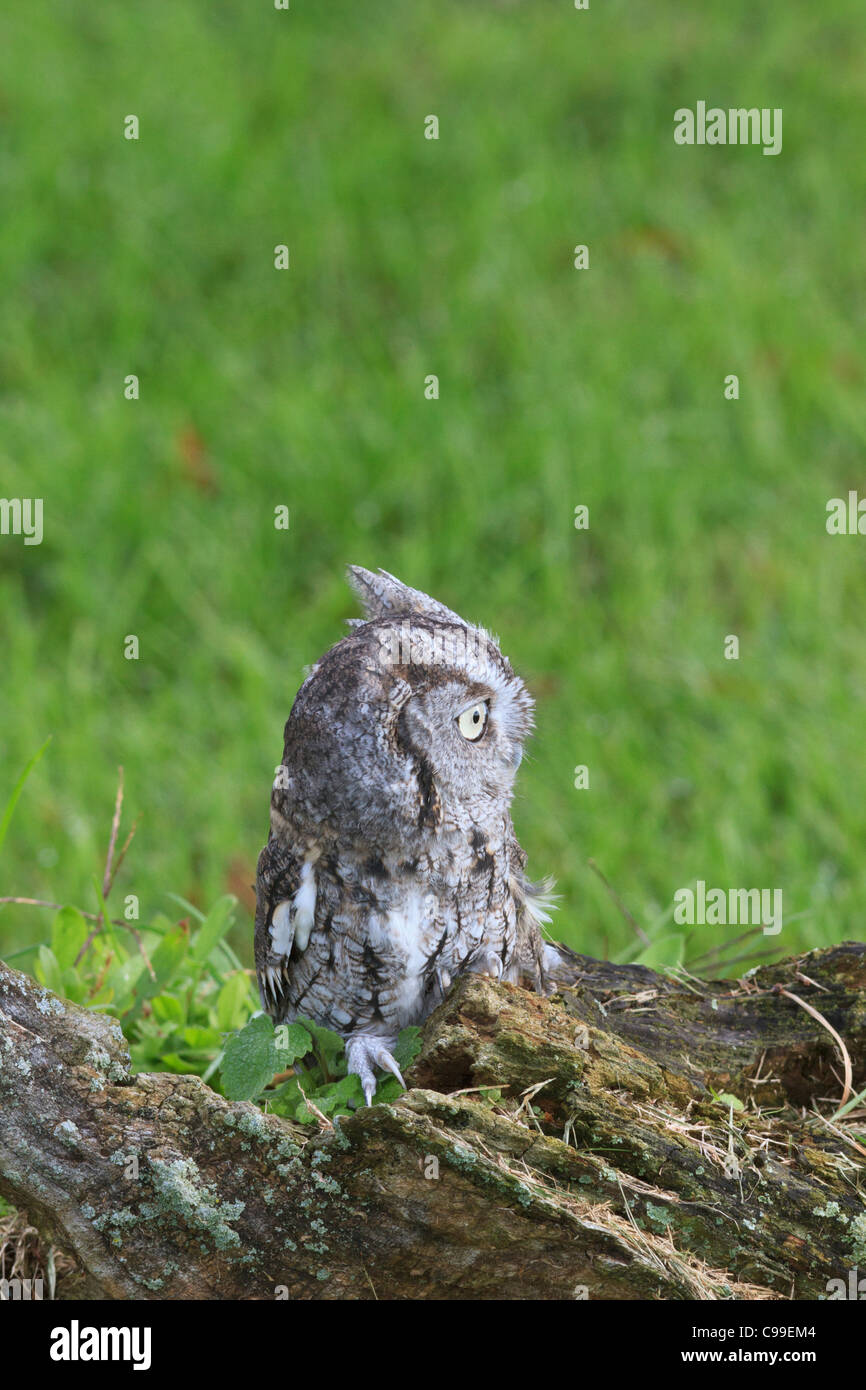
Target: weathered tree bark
[{"x": 619, "y": 1177}]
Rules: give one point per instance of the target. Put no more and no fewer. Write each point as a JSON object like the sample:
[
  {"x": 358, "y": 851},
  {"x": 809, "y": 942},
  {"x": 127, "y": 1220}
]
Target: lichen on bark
[{"x": 548, "y": 1148}]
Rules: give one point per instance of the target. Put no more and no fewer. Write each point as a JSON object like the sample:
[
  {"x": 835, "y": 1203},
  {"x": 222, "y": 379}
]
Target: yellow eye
[{"x": 473, "y": 721}]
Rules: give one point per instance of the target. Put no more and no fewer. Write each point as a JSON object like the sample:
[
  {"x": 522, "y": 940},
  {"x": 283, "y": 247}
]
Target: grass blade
[{"x": 18, "y": 789}]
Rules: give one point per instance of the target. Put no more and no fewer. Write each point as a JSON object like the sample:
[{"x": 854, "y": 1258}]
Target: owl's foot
[
  {"x": 365, "y": 1053},
  {"x": 486, "y": 963}
]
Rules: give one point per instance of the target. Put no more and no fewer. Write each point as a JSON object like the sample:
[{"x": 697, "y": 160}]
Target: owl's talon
[
  {"x": 362, "y": 1054},
  {"x": 443, "y": 982},
  {"x": 385, "y": 1060}
]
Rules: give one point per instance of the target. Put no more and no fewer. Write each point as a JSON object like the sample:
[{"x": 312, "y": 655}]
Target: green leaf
[
  {"x": 408, "y": 1046},
  {"x": 107, "y": 923},
  {"x": 727, "y": 1100},
  {"x": 199, "y": 1039},
  {"x": 292, "y": 1041},
  {"x": 102, "y": 999},
  {"x": 74, "y": 987},
  {"x": 172, "y": 1061},
  {"x": 286, "y": 1098},
  {"x": 122, "y": 980},
  {"x": 328, "y": 1047},
  {"x": 491, "y": 1095},
  {"x": 168, "y": 1009},
  {"x": 665, "y": 951},
  {"x": 388, "y": 1089},
  {"x": 849, "y": 1105},
  {"x": 233, "y": 1001},
  {"x": 334, "y": 1097},
  {"x": 24, "y": 951},
  {"x": 69, "y": 931},
  {"x": 48, "y": 971},
  {"x": 17, "y": 790},
  {"x": 213, "y": 929},
  {"x": 166, "y": 960},
  {"x": 187, "y": 906},
  {"x": 160, "y": 926},
  {"x": 250, "y": 1059},
  {"x": 147, "y": 1052}
]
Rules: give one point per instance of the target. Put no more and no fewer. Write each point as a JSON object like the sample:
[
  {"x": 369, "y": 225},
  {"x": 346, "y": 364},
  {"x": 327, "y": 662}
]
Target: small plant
[
  {"x": 176, "y": 988},
  {"x": 187, "y": 1004},
  {"x": 318, "y": 1085}
]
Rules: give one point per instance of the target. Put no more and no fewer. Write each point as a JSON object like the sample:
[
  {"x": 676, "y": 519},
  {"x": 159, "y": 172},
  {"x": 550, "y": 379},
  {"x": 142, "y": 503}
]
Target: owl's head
[{"x": 414, "y": 721}]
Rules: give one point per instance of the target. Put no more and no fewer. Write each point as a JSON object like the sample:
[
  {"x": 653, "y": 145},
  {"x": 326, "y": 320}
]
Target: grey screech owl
[{"x": 392, "y": 864}]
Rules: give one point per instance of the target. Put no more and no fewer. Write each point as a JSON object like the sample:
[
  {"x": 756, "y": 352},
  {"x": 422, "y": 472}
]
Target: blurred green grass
[{"x": 558, "y": 387}]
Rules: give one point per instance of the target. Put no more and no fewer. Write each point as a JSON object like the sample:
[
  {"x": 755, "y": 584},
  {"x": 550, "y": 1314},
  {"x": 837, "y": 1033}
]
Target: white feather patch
[
  {"x": 281, "y": 928},
  {"x": 403, "y": 931},
  {"x": 540, "y": 901},
  {"x": 293, "y": 918},
  {"x": 305, "y": 906}
]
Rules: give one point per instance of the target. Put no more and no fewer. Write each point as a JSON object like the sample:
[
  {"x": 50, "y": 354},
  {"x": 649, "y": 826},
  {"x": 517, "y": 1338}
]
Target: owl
[{"x": 392, "y": 865}]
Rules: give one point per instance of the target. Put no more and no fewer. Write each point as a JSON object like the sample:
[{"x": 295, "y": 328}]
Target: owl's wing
[{"x": 283, "y": 920}]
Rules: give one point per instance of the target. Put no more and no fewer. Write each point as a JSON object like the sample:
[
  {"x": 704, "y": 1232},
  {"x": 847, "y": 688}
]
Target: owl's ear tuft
[{"x": 383, "y": 596}]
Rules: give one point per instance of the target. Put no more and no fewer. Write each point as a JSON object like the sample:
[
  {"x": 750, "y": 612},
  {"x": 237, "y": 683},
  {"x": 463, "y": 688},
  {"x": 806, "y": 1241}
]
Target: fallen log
[{"x": 548, "y": 1148}]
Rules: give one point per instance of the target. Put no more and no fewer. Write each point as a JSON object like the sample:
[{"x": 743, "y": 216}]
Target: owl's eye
[{"x": 473, "y": 721}]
